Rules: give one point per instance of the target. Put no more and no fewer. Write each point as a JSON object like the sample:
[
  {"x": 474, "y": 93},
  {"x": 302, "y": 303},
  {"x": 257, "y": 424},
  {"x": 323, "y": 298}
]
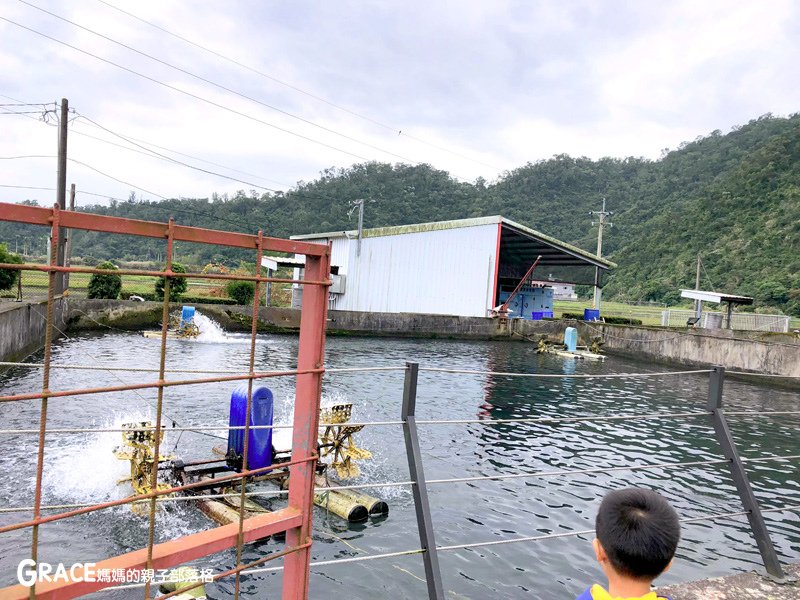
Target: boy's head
[{"x": 637, "y": 532}]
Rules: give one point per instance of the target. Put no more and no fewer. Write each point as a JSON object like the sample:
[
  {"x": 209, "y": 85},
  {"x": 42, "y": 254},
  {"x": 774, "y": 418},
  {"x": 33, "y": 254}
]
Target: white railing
[{"x": 741, "y": 321}]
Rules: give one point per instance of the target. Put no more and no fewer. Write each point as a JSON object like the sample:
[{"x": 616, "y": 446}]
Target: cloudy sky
[{"x": 473, "y": 87}]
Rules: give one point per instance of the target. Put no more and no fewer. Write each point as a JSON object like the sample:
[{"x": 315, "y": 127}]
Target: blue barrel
[
  {"x": 259, "y": 450},
  {"x": 187, "y": 314},
  {"x": 537, "y": 316},
  {"x": 591, "y": 314},
  {"x": 548, "y": 314},
  {"x": 571, "y": 338}
]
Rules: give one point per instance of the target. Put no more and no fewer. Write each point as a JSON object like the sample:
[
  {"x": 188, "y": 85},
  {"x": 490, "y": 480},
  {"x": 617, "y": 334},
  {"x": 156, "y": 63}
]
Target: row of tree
[{"x": 733, "y": 198}]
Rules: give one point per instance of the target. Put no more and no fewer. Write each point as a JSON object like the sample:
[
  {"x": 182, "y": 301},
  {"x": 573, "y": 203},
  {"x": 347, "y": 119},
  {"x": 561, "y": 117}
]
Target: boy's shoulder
[{"x": 597, "y": 592}]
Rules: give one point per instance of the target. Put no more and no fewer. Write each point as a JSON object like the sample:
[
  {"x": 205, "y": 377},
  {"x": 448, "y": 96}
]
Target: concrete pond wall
[
  {"x": 22, "y": 332},
  {"x": 23, "y": 325},
  {"x": 756, "y": 352}
]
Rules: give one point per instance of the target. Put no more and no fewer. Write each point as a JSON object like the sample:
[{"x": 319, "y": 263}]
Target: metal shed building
[{"x": 447, "y": 267}]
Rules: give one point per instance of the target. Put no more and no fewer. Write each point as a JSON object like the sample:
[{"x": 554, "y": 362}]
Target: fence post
[
  {"x": 433, "y": 576},
  {"x": 740, "y": 479}
]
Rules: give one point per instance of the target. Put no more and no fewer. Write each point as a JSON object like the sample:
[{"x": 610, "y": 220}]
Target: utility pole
[
  {"x": 360, "y": 204},
  {"x": 68, "y": 236},
  {"x": 601, "y": 222},
  {"x": 61, "y": 188},
  {"x": 697, "y": 303}
]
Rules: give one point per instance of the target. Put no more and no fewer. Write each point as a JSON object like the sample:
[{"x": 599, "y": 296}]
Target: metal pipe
[
  {"x": 248, "y": 411},
  {"x": 739, "y": 475},
  {"x": 311, "y": 357},
  {"x": 151, "y": 529},
  {"x": 427, "y": 540}
]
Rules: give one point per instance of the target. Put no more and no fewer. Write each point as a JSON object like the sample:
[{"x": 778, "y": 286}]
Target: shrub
[
  {"x": 177, "y": 285},
  {"x": 241, "y": 291},
  {"x": 8, "y": 277},
  {"x": 105, "y": 286}
]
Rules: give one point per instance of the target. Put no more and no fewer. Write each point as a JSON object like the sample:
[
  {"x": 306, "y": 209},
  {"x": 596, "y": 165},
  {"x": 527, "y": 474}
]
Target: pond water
[{"x": 81, "y": 468}]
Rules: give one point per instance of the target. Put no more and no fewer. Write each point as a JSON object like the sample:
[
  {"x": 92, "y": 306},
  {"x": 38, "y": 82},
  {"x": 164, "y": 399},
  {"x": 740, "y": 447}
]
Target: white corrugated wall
[{"x": 447, "y": 272}]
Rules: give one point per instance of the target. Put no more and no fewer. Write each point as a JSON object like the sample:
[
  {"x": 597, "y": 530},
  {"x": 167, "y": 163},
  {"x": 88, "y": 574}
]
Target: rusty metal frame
[{"x": 295, "y": 520}]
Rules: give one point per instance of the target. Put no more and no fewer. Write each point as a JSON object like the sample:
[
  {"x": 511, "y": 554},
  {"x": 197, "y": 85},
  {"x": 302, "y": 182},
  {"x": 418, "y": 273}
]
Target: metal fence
[
  {"x": 741, "y": 321},
  {"x": 295, "y": 519}
]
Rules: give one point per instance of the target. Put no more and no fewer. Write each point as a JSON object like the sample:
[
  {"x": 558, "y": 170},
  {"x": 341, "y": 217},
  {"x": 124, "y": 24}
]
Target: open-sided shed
[{"x": 456, "y": 267}]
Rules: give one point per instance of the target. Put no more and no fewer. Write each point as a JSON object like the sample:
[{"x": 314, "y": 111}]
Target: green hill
[{"x": 733, "y": 198}]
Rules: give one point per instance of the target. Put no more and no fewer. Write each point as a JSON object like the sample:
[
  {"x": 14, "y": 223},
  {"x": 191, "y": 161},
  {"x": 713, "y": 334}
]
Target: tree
[
  {"x": 8, "y": 277},
  {"x": 177, "y": 285},
  {"x": 105, "y": 285},
  {"x": 241, "y": 291}
]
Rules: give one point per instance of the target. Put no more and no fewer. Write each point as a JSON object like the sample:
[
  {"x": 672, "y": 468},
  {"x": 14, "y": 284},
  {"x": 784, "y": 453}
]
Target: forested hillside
[{"x": 733, "y": 198}]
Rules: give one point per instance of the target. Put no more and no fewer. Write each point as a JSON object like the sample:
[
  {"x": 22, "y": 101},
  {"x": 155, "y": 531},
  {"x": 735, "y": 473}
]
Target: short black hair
[{"x": 639, "y": 532}]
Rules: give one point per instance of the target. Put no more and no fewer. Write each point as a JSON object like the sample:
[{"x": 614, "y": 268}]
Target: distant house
[
  {"x": 458, "y": 267},
  {"x": 562, "y": 290}
]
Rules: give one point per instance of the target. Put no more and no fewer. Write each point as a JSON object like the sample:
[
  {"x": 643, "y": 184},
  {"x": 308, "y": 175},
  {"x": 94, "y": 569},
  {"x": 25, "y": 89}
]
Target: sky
[{"x": 272, "y": 92}]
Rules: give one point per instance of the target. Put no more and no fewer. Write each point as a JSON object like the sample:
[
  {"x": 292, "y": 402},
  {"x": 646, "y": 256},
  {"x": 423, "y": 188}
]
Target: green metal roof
[{"x": 460, "y": 223}]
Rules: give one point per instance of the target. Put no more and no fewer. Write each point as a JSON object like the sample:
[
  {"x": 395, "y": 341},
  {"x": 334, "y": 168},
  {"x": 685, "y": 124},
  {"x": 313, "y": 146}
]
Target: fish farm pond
[{"x": 81, "y": 468}]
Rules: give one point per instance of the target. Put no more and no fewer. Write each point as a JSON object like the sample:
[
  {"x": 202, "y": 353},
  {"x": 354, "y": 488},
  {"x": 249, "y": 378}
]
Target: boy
[{"x": 637, "y": 534}]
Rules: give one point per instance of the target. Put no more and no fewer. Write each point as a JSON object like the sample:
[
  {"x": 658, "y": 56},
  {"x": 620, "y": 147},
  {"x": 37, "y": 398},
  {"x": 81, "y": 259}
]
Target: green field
[
  {"x": 649, "y": 314},
  {"x": 35, "y": 283}
]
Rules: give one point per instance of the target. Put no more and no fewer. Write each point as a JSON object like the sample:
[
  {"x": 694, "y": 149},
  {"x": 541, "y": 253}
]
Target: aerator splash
[
  {"x": 265, "y": 447},
  {"x": 180, "y": 326}
]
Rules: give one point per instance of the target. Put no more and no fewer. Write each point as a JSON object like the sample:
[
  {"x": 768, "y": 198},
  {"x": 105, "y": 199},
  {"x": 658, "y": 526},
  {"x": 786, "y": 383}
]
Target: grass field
[
  {"x": 35, "y": 284},
  {"x": 648, "y": 314}
]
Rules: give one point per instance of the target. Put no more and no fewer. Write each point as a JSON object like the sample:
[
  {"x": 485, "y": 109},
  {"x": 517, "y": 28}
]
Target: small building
[
  {"x": 562, "y": 290},
  {"x": 463, "y": 267}
]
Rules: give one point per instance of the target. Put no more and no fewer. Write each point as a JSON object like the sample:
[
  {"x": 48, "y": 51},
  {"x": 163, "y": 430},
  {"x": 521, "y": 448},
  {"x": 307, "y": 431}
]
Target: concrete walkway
[{"x": 743, "y": 586}]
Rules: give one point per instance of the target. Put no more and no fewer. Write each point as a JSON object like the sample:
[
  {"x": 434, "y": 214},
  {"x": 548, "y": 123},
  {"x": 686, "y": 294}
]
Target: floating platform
[
  {"x": 580, "y": 354},
  {"x": 171, "y": 335}
]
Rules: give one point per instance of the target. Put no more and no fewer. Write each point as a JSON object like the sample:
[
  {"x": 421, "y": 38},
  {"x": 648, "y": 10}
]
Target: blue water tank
[
  {"x": 259, "y": 449},
  {"x": 571, "y": 338},
  {"x": 187, "y": 314},
  {"x": 591, "y": 314}
]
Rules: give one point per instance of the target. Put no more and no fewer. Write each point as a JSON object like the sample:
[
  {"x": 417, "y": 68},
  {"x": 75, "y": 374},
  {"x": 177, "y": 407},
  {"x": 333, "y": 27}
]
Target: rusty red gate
[{"x": 295, "y": 519}]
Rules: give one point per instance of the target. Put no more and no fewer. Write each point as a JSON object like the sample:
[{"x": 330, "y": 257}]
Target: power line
[
  {"x": 83, "y": 164},
  {"x": 155, "y": 154},
  {"x": 397, "y": 130},
  {"x": 293, "y": 192},
  {"x": 219, "y": 85},
  {"x": 197, "y": 158},
  {"x": 182, "y": 91}
]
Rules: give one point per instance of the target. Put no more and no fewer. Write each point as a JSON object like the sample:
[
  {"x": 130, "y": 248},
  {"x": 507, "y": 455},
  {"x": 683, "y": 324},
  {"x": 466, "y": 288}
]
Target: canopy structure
[
  {"x": 716, "y": 297},
  {"x": 700, "y": 296},
  {"x": 460, "y": 267}
]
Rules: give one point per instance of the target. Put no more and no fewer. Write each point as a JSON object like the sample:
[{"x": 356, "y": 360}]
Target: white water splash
[
  {"x": 211, "y": 332},
  {"x": 83, "y": 468}
]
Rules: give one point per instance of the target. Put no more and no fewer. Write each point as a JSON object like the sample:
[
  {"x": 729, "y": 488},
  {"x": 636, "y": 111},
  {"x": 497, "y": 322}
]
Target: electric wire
[
  {"x": 184, "y": 92},
  {"x": 561, "y": 375},
  {"x": 164, "y": 157},
  {"x": 386, "y": 484},
  {"x": 220, "y": 86},
  {"x": 399, "y": 131},
  {"x": 148, "y": 152}
]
